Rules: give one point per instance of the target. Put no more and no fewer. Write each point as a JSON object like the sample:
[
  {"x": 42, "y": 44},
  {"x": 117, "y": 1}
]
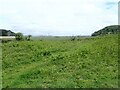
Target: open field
[
  {"x": 85, "y": 63},
  {"x": 57, "y": 37}
]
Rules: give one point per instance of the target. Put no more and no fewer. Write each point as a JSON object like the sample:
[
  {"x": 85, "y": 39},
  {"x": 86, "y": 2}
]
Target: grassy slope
[
  {"x": 0, "y": 65},
  {"x": 71, "y": 64}
]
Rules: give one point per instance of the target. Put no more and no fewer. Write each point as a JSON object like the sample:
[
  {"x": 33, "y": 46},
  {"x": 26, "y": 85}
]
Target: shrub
[{"x": 19, "y": 36}]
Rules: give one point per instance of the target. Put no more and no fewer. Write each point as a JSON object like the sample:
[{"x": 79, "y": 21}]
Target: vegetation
[
  {"x": 85, "y": 63},
  {"x": 113, "y": 29},
  {"x": 19, "y": 36},
  {"x": 58, "y": 38},
  {"x": 28, "y": 38}
]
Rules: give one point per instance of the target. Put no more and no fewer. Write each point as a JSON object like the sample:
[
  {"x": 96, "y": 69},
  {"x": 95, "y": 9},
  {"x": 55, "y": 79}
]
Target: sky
[{"x": 57, "y": 17}]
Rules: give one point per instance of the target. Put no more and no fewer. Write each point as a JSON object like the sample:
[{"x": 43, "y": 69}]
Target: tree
[
  {"x": 73, "y": 38},
  {"x": 29, "y": 37},
  {"x": 19, "y": 36}
]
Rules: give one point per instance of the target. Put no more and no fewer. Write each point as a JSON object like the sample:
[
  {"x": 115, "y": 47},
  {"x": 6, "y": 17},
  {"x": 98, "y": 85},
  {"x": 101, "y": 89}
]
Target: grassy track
[{"x": 87, "y": 63}]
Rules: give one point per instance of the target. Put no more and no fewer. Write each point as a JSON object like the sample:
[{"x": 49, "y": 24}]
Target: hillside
[
  {"x": 107, "y": 30},
  {"x": 88, "y": 63},
  {"x": 4, "y": 32}
]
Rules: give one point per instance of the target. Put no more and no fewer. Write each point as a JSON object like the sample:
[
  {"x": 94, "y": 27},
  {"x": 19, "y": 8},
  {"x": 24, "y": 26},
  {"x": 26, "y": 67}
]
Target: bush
[
  {"x": 19, "y": 36},
  {"x": 5, "y": 41},
  {"x": 73, "y": 38}
]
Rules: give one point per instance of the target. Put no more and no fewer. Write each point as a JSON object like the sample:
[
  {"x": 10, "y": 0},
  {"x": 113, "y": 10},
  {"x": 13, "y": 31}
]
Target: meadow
[{"x": 82, "y": 63}]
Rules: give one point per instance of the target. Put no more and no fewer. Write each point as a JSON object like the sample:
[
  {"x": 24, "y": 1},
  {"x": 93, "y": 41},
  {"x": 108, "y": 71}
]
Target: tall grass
[{"x": 87, "y": 63}]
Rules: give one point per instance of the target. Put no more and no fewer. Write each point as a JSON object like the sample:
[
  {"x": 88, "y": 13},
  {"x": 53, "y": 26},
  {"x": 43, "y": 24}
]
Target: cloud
[{"x": 58, "y": 17}]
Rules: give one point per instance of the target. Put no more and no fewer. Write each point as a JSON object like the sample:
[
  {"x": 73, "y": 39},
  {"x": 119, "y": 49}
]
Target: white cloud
[{"x": 58, "y": 17}]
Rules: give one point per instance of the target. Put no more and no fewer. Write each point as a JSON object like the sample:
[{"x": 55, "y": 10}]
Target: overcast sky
[{"x": 57, "y": 17}]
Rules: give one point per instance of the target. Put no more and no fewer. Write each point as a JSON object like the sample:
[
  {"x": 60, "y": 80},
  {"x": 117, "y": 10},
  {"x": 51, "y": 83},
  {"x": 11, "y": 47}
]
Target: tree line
[{"x": 19, "y": 37}]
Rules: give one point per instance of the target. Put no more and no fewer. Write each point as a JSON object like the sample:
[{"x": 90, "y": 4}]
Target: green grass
[
  {"x": 87, "y": 63},
  {"x": 58, "y": 38},
  {"x": 0, "y": 66}
]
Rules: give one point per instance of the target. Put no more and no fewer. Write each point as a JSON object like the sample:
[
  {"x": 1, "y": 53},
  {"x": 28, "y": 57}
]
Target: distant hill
[
  {"x": 4, "y": 32},
  {"x": 107, "y": 30}
]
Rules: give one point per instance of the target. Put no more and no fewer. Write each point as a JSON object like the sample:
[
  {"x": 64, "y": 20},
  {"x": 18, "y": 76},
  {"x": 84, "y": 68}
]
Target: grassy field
[
  {"x": 54, "y": 38},
  {"x": 84, "y": 63},
  {"x": 0, "y": 66}
]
